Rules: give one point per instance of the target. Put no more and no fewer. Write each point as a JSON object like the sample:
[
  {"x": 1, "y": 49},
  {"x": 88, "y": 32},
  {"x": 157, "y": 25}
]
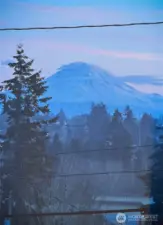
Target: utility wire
[
  {"x": 82, "y": 26},
  {"x": 104, "y": 173},
  {"x": 104, "y": 149},
  {"x": 94, "y": 212},
  {"x": 99, "y": 150},
  {"x": 51, "y": 175}
]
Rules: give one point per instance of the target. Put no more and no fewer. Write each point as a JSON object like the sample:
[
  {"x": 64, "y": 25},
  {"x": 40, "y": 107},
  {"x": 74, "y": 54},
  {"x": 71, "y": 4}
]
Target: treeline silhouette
[{"x": 101, "y": 130}]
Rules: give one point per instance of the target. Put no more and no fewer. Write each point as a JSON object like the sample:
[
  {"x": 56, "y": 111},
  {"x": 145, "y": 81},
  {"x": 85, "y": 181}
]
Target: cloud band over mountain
[{"x": 142, "y": 79}]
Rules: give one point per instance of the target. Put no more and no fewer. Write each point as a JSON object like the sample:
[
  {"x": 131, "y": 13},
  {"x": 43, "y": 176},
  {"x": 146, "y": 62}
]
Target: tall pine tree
[
  {"x": 28, "y": 167},
  {"x": 98, "y": 122},
  {"x": 156, "y": 182},
  {"x": 130, "y": 124},
  {"x": 120, "y": 139},
  {"x": 153, "y": 181}
]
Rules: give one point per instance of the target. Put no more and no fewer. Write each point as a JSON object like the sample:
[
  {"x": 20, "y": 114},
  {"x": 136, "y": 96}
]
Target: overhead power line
[
  {"x": 82, "y": 26},
  {"x": 86, "y": 151},
  {"x": 104, "y": 173},
  {"x": 75, "y": 213},
  {"x": 53, "y": 175},
  {"x": 102, "y": 149}
]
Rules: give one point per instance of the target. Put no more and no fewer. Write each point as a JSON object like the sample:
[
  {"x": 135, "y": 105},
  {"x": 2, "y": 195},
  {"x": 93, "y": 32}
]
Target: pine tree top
[{"x": 24, "y": 94}]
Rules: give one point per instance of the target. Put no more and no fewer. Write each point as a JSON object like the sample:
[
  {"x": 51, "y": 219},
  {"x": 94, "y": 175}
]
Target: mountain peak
[
  {"x": 76, "y": 85},
  {"x": 79, "y": 65},
  {"x": 80, "y": 81},
  {"x": 81, "y": 70},
  {"x": 76, "y": 67}
]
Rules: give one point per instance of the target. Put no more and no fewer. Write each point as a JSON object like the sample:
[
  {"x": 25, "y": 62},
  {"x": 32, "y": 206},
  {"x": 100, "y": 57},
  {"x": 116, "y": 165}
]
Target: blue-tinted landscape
[{"x": 81, "y": 113}]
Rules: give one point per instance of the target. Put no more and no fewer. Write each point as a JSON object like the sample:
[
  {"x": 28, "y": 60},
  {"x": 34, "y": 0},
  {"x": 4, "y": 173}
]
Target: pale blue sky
[{"x": 122, "y": 51}]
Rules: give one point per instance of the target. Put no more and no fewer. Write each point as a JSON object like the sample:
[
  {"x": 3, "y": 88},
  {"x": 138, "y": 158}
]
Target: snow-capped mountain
[{"x": 77, "y": 85}]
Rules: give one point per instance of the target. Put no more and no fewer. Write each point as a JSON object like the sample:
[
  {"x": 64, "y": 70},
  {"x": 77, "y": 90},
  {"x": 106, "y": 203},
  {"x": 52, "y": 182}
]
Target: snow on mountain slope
[{"x": 75, "y": 86}]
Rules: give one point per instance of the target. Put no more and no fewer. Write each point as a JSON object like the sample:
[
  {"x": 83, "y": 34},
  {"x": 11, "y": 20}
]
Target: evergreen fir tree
[
  {"x": 156, "y": 182},
  {"x": 147, "y": 128},
  {"x": 98, "y": 124},
  {"x": 27, "y": 164},
  {"x": 117, "y": 117},
  {"x": 153, "y": 182},
  {"x": 120, "y": 140},
  {"x": 62, "y": 118},
  {"x": 57, "y": 145},
  {"x": 131, "y": 124}
]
